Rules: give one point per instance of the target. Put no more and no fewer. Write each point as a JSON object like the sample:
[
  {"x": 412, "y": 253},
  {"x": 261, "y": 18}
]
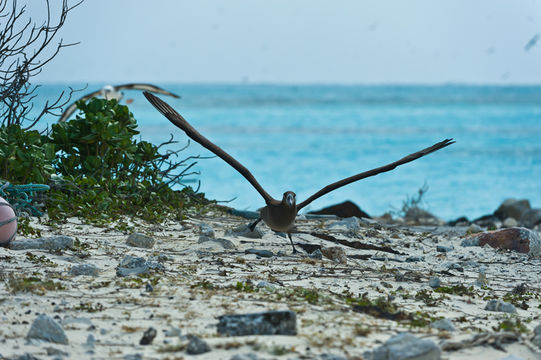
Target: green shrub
[{"x": 95, "y": 167}]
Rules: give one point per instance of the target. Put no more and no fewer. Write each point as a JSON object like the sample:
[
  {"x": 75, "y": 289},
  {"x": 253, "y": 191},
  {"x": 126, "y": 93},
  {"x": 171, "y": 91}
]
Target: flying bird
[
  {"x": 279, "y": 215},
  {"x": 110, "y": 92}
]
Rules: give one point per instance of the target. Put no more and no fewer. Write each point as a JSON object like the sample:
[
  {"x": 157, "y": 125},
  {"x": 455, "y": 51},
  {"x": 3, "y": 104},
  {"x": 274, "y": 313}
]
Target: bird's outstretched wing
[
  {"x": 73, "y": 106},
  {"x": 181, "y": 123},
  {"x": 145, "y": 87},
  {"x": 379, "y": 170},
  {"x": 132, "y": 86}
]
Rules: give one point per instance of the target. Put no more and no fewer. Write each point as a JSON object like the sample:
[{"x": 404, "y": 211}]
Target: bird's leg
[
  {"x": 254, "y": 224},
  {"x": 290, "y": 239}
]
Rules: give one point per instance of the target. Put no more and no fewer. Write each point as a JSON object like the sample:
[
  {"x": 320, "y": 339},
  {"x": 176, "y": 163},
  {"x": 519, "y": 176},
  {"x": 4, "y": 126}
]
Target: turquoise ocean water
[{"x": 301, "y": 138}]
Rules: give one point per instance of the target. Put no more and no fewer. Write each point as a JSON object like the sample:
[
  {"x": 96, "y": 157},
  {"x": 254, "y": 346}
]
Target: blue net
[{"x": 21, "y": 196}]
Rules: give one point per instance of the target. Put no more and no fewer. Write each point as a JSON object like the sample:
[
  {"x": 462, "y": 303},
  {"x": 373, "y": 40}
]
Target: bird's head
[{"x": 289, "y": 199}]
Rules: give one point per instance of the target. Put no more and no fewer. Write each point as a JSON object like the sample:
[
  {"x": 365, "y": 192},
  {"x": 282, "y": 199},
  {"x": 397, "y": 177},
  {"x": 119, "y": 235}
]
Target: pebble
[
  {"x": 518, "y": 239},
  {"x": 473, "y": 228},
  {"x": 247, "y": 356},
  {"x": 259, "y": 252},
  {"x": 90, "y": 341},
  {"x": 443, "y": 324},
  {"x": 501, "y": 306},
  {"x": 415, "y": 258},
  {"x": 197, "y": 346},
  {"x": 263, "y": 323},
  {"x": 206, "y": 230},
  {"x": 335, "y": 253},
  {"x": 434, "y": 282},
  {"x": 54, "y": 351},
  {"x": 173, "y": 332},
  {"x": 148, "y": 336},
  {"x": 47, "y": 329},
  {"x": 405, "y": 346},
  {"x": 59, "y": 242},
  {"x": 132, "y": 265},
  {"x": 510, "y": 222},
  {"x": 537, "y": 336},
  {"x": 244, "y": 231},
  {"x": 84, "y": 269},
  {"x": 226, "y": 244},
  {"x": 141, "y": 240},
  {"x": 265, "y": 284},
  {"x": 444, "y": 249},
  {"x": 351, "y": 224}
]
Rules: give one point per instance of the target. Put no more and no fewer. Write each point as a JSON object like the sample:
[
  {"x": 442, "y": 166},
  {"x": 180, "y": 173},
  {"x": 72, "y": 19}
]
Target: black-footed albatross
[
  {"x": 279, "y": 215},
  {"x": 109, "y": 92}
]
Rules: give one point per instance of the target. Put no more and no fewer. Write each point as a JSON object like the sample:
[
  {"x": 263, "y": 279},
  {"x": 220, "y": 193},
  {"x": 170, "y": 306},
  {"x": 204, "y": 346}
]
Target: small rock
[
  {"x": 132, "y": 265},
  {"x": 148, "y": 336},
  {"x": 510, "y": 222},
  {"x": 449, "y": 265},
  {"x": 173, "y": 332},
  {"x": 263, "y": 323},
  {"x": 245, "y": 231},
  {"x": 537, "y": 330},
  {"x": 327, "y": 356},
  {"x": 133, "y": 357},
  {"x": 149, "y": 287},
  {"x": 434, "y": 282},
  {"x": 59, "y": 242},
  {"x": 196, "y": 346},
  {"x": 259, "y": 252},
  {"x": 488, "y": 221},
  {"x": 335, "y": 253},
  {"x": 405, "y": 346},
  {"x": 346, "y": 209},
  {"x": 473, "y": 229},
  {"x": 47, "y": 329},
  {"x": 512, "y": 208},
  {"x": 501, "y": 306},
  {"x": 141, "y": 240},
  {"x": 226, "y": 244},
  {"x": 247, "y": 356},
  {"x": 444, "y": 249},
  {"x": 443, "y": 324},
  {"x": 206, "y": 230},
  {"x": 316, "y": 254},
  {"x": 90, "y": 341},
  {"x": 265, "y": 284},
  {"x": 54, "y": 351},
  {"x": 518, "y": 239},
  {"x": 349, "y": 224},
  {"x": 415, "y": 258},
  {"x": 84, "y": 269},
  {"x": 537, "y": 336},
  {"x": 531, "y": 218}
]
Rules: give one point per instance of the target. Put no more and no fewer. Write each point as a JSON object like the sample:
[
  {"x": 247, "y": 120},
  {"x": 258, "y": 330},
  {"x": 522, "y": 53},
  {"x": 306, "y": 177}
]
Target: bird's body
[
  {"x": 110, "y": 92},
  {"x": 279, "y": 215}
]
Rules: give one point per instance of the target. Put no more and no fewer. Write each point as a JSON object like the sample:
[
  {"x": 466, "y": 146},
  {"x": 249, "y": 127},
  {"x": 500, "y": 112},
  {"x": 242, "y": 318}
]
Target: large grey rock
[
  {"x": 512, "y": 208},
  {"x": 59, "y": 242},
  {"x": 47, "y": 329},
  {"x": 263, "y": 323},
  {"x": 531, "y": 218},
  {"x": 141, "y": 240},
  {"x": 501, "y": 306},
  {"x": 405, "y": 346},
  {"x": 84, "y": 269},
  {"x": 420, "y": 216},
  {"x": 346, "y": 209}
]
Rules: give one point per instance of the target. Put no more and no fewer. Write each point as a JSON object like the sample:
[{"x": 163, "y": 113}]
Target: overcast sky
[{"x": 299, "y": 41}]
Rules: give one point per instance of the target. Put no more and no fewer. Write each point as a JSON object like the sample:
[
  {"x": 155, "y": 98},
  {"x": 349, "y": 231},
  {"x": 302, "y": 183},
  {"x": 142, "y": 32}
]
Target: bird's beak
[{"x": 290, "y": 200}]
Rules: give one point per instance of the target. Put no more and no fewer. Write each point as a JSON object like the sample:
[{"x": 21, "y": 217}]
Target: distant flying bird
[
  {"x": 279, "y": 215},
  {"x": 532, "y": 42},
  {"x": 110, "y": 92}
]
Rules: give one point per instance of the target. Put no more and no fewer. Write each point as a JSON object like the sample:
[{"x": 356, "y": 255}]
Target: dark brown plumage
[{"x": 279, "y": 215}]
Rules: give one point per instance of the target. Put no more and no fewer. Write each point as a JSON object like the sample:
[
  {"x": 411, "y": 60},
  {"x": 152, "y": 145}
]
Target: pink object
[{"x": 8, "y": 223}]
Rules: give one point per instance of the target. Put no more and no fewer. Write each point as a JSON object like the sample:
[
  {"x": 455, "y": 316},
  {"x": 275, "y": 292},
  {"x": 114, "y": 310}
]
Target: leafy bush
[
  {"x": 24, "y": 157},
  {"x": 95, "y": 167}
]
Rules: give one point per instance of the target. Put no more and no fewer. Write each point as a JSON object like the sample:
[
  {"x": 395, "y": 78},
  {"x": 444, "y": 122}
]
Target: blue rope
[{"x": 20, "y": 196}]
